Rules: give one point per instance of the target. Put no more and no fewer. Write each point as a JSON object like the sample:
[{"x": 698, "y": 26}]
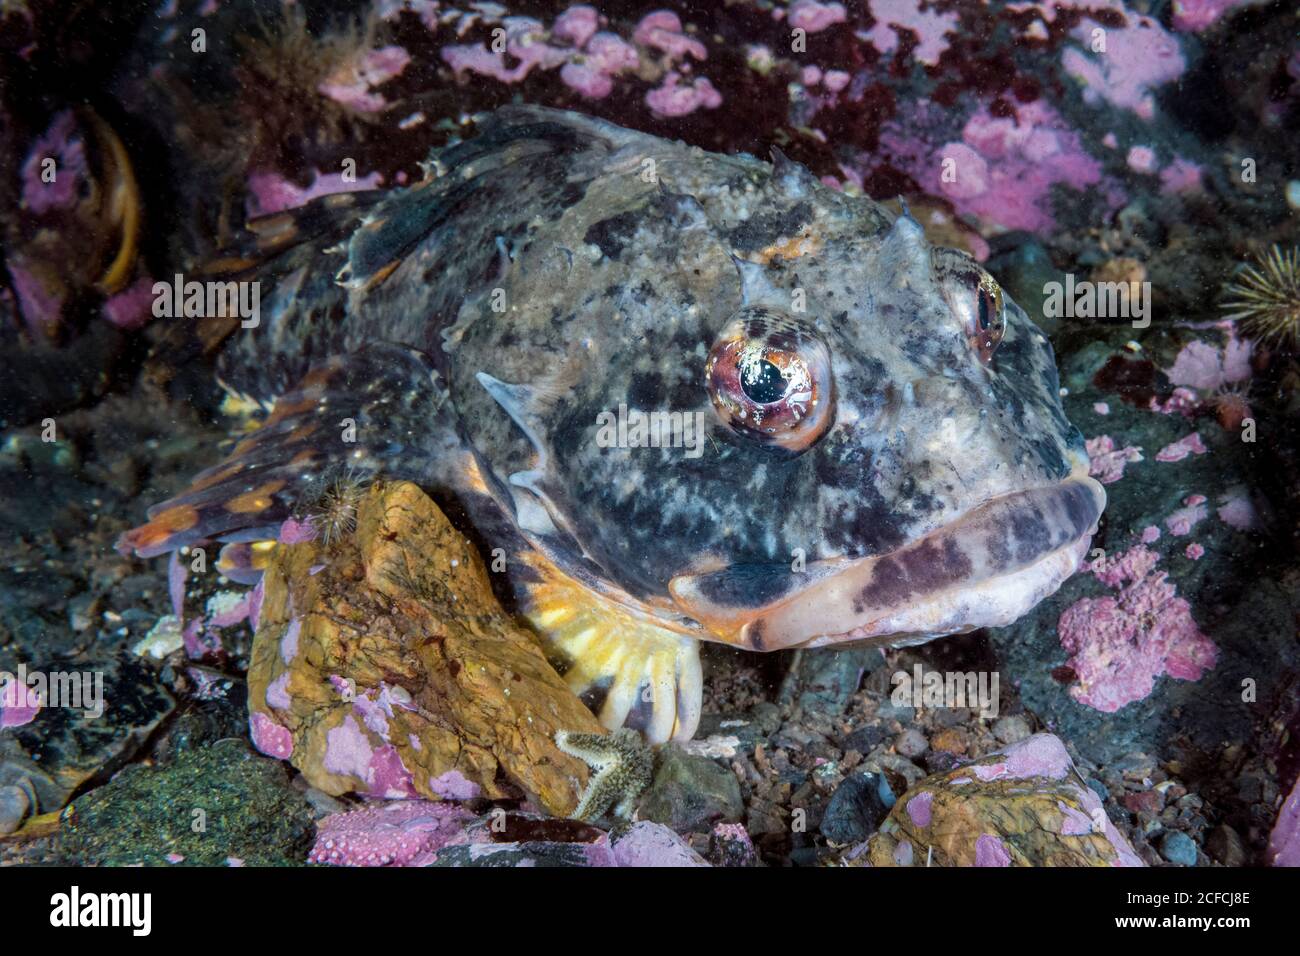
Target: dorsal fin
[
  {"x": 794, "y": 178},
  {"x": 755, "y": 287}
]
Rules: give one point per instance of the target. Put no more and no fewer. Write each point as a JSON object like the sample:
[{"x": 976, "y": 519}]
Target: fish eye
[
  {"x": 975, "y": 298},
  {"x": 990, "y": 318},
  {"x": 769, "y": 378}
]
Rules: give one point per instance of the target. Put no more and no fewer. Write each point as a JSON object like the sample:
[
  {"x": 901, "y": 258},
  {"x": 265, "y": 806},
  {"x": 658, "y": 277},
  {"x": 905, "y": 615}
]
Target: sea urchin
[
  {"x": 1265, "y": 297},
  {"x": 330, "y": 504}
]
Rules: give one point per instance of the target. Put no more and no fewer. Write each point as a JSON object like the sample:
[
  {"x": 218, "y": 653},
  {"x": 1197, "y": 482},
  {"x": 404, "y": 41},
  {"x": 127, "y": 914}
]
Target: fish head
[{"x": 787, "y": 422}]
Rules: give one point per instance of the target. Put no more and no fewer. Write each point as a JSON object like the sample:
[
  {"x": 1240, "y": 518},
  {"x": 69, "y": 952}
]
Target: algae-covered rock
[
  {"x": 217, "y": 806},
  {"x": 383, "y": 665},
  {"x": 1023, "y": 806}
]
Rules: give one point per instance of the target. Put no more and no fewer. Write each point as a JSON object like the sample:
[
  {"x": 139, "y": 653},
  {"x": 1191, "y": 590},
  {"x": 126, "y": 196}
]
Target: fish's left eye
[
  {"x": 989, "y": 322},
  {"x": 769, "y": 378},
  {"x": 975, "y": 298}
]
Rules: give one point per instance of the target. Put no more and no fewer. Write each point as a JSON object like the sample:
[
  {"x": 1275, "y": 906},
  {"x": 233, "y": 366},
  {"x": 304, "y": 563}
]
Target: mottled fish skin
[
  {"x": 397, "y": 266},
  {"x": 556, "y": 268}
]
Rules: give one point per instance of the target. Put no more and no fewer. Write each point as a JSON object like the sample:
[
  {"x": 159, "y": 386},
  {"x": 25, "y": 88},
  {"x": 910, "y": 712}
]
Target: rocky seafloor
[{"x": 1147, "y": 713}]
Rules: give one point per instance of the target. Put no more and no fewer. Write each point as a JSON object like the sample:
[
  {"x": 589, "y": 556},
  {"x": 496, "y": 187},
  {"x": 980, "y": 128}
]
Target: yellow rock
[
  {"x": 384, "y": 665},
  {"x": 1025, "y": 805}
]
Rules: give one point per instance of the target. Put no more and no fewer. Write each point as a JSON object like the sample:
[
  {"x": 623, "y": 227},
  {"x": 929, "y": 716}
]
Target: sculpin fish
[{"x": 690, "y": 397}]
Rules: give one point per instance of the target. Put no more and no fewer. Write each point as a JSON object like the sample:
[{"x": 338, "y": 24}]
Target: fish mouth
[{"x": 984, "y": 569}]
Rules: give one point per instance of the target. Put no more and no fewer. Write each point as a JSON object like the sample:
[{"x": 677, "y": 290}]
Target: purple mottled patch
[
  {"x": 277, "y": 693},
  {"x": 269, "y": 192},
  {"x": 653, "y": 844},
  {"x": 407, "y": 833},
  {"x": 62, "y": 143},
  {"x": 19, "y": 703},
  {"x": 990, "y": 851},
  {"x": 388, "y": 776},
  {"x": 41, "y": 307},
  {"x": 199, "y": 641},
  {"x": 229, "y": 616},
  {"x": 348, "y": 751},
  {"x": 1284, "y": 840},
  {"x": 269, "y": 737},
  {"x": 576, "y": 24},
  {"x": 1042, "y": 755},
  {"x": 599, "y": 853},
  {"x": 293, "y": 531},
  {"x": 131, "y": 308},
  {"x": 453, "y": 785},
  {"x": 289, "y": 643},
  {"x": 1091, "y": 803},
  {"x": 373, "y": 714},
  {"x": 354, "y": 85},
  {"x": 342, "y": 685},
  {"x": 176, "y": 574},
  {"x": 918, "y": 808},
  {"x": 375, "y": 707},
  {"x": 255, "y": 604},
  {"x": 903, "y": 853},
  {"x": 1075, "y": 822}
]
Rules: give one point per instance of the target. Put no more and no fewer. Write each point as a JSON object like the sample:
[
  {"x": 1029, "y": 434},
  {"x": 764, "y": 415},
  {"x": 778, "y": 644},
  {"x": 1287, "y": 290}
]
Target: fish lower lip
[{"x": 985, "y": 569}]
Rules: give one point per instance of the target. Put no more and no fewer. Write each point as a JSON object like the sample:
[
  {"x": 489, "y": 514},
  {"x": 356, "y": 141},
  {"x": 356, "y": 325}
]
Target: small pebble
[
  {"x": 902, "y": 713},
  {"x": 1178, "y": 848},
  {"x": 13, "y": 808},
  {"x": 911, "y": 743},
  {"x": 1143, "y": 801},
  {"x": 1010, "y": 730},
  {"x": 1224, "y": 844},
  {"x": 857, "y": 808},
  {"x": 952, "y": 740},
  {"x": 865, "y": 739}
]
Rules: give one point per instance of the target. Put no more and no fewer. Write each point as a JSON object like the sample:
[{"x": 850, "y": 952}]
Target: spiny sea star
[{"x": 622, "y": 766}]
